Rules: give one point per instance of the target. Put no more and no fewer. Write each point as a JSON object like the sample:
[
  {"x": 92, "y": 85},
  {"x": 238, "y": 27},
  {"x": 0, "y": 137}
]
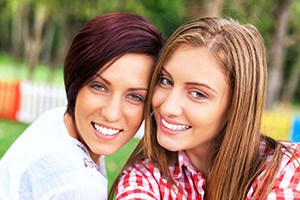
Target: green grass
[
  {"x": 115, "y": 162},
  {"x": 10, "y": 130},
  {"x": 18, "y": 71}
]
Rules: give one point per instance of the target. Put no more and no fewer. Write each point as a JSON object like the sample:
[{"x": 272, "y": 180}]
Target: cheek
[
  {"x": 134, "y": 116},
  {"x": 210, "y": 120},
  {"x": 83, "y": 98},
  {"x": 158, "y": 97},
  {"x": 80, "y": 104}
]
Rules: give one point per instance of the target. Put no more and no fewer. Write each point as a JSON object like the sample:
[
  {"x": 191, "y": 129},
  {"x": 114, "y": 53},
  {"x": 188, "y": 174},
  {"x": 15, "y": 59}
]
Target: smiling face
[
  {"x": 109, "y": 109},
  {"x": 190, "y": 102}
]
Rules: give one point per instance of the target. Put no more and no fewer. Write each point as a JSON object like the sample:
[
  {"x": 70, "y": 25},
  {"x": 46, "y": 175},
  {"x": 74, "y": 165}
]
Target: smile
[
  {"x": 175, "y": 127},
  {"x": 105, "y": 131}
]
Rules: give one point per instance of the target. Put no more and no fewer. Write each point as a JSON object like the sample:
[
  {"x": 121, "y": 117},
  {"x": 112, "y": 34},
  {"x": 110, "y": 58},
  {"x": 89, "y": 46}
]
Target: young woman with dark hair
[
  {"x": 106, "y": 74},
  {"x": 203, "y": 137}
]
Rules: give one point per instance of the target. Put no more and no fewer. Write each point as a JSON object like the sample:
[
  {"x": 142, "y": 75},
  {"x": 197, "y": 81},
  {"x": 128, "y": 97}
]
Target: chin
[
  {"x": 108, "y": 153},
  {"x": 168, "y": 146}
]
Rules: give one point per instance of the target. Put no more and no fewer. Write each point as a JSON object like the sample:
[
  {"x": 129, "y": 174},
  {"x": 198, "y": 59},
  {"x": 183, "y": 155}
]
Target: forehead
[
  {"x": 195, "y": 64},
  {"x": 188, "y": 58},
  {"x": 134, "y": 68}
]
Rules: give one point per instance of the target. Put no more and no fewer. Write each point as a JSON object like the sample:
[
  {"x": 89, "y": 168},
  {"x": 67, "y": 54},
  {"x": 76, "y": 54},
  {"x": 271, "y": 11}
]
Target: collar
[{"x": 183, "y": 164}]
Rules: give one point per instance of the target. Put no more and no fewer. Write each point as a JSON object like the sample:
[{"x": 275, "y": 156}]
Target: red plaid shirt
[{"x": 144, "y": 181}]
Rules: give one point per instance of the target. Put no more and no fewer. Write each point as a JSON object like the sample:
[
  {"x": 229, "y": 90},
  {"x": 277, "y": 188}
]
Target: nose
[
  {"x": 172, "y": 105},
  {"x": 112, "y": 110}
]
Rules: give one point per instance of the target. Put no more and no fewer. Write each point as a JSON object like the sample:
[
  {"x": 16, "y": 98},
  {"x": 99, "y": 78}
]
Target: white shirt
[{"x": 45, "y": 162}]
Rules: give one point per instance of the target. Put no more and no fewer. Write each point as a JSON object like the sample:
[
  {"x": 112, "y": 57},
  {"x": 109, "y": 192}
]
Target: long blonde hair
[{"x": 240, "y": 51}]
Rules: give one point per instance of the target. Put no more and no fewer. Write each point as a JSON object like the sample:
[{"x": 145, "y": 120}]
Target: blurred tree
[
  {"x": 15, "y": 7},
  {"x": 277, "y": 50},
  {"x": 292, "y": 70},
  {"x": 32, "y": 32},
  {"x": 293, "y": 82},
  {"x": 166, "y": 15},
  {"x": 275, "y": 29},
  {"x": 4, "y": 33},
  {"x": 212, "y": 7}
]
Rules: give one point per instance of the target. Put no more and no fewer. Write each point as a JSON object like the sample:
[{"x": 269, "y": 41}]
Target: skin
[
  {"x": 190, "y": 104},
  {"x": 109, "y": 109}
]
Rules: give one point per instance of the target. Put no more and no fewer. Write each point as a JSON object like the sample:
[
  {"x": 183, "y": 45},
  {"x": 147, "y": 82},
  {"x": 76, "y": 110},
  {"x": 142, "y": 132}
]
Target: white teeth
[
  {"x": 175, "y": 127},
  {"x": 106, "y": 131}
]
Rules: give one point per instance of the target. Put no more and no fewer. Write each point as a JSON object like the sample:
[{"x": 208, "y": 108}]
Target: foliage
[{"x": 8, "y": 71}]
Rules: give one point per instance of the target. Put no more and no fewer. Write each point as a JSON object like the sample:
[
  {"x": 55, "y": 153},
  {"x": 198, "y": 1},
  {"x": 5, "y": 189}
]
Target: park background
[{"x": 35, "y": 35}]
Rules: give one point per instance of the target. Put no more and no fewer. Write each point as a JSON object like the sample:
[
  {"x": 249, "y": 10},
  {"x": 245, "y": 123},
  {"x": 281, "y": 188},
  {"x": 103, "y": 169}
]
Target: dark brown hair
[{"x": 102, "y": 40}]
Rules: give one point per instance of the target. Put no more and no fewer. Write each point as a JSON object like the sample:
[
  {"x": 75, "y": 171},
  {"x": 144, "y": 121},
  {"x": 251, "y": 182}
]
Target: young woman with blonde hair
[{"x": 203, "y": 139}]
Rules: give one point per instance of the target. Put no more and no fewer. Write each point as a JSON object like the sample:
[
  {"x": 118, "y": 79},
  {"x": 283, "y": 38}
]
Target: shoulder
[
  {"x": 140, "y": 180},
  {"x": 42, "y": 137},
  {"x": 287, "y": 184},
  {"x": 142, "y": 169},
  {"x": 49, "y": 119},
  {"x": 58, "y": 175},
  {"x": 47, "y": 125},
  {"x": 53, "y": 112},
  {"x": 290, "y": 164},
  {"x": 291, "y": 154}
]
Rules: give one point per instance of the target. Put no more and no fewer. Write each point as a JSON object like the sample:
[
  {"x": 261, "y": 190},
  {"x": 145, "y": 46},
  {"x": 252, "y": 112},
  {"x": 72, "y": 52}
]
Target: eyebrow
[
  {"x": 164, "y": 70},
  {"x": 130, "y": 89},
  {"x": 202, "y": 85},
  {"x": 194, "y": 83}
]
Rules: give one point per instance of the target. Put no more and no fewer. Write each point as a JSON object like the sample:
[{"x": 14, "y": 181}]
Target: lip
[
  {"x": 105, "y": 136},
  {"x": 168, "y": 130}
]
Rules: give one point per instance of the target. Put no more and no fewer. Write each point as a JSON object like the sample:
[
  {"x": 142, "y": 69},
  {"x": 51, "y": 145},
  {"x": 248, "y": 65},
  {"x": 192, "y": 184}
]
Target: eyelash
[
  {"x": 162, "y": 80},
  {"x": 133, "y": 97},
  {"x": 198, "y": 95},
  {"x": 98, "y": 87},
  {"x": 136, "y": 97}
]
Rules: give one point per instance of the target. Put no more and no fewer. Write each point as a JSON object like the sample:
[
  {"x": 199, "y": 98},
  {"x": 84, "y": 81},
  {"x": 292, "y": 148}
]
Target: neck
[
  {"x": 69, "y": 123},
  {"x": 201, "y": 160},
  {"x": 73, "y": 132}
]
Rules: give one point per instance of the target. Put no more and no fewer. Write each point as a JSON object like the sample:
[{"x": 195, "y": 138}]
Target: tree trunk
[
  {"x": 293, "y": 82},
  {"x": 5, "y": 44},
  {"x": 33, "y": 42},
  {"x": 214, "y": 7},
  {"x": 205, "y": 8},
  {"x": 16, "y": 34},
  {"x": 65, "y": 36},
  {"x": 277, "y": 52},
  {"x": 46, "y": 53}
]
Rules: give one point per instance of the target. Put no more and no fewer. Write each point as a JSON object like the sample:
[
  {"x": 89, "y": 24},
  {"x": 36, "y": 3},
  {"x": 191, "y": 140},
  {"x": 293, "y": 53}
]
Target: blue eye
[
  {"x": 164, "y": 81},
  {"x": 98, "y": 87},
  {"x": 198, "y": 95},
  {"x": 136, "y": 97}
]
